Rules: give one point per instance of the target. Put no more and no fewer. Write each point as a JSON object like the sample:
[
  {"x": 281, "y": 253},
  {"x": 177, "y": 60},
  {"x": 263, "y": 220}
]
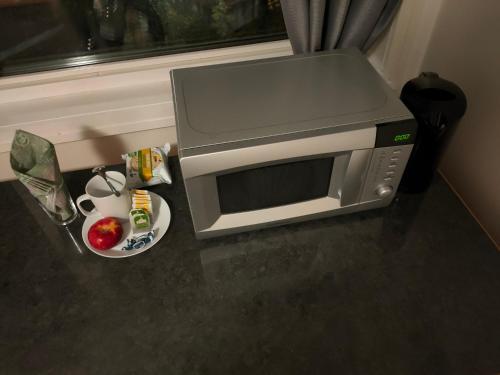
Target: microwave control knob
[{"x": 384, "y": 191}]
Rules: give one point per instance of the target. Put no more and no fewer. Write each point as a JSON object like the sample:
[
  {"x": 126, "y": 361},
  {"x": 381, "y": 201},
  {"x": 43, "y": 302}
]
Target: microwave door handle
[{"x": 354, "y": 177}]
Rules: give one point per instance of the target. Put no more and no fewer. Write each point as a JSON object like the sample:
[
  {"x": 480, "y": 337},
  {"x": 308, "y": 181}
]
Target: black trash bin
[{"x": 437, "y": 105}]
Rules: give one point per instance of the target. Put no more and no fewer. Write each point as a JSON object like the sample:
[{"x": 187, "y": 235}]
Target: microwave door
[
  {"x": 249, "y": 187},
  {"x": 337, "y": 176}
]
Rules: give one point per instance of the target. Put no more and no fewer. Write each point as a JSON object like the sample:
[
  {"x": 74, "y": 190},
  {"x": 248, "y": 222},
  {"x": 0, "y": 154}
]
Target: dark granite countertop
[{"x": 410, "y": 289}]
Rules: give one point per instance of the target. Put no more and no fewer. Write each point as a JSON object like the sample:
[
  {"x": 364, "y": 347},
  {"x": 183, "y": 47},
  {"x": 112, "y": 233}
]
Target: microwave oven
[{"x": 280, "y": 140}]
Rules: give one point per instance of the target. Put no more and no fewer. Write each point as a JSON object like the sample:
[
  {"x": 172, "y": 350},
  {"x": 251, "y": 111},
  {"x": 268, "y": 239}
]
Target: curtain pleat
[{"x": 316, "y": 25}]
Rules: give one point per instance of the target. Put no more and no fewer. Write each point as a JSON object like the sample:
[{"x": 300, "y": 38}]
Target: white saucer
[{"x": 160, "y": 220}]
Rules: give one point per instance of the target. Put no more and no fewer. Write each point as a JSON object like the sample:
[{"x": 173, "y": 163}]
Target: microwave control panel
[{"x": 385, "y": 172}]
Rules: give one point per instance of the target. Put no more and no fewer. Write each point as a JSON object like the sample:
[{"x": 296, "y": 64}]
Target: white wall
[
  {"x": 460, "y": 40},
  {"x": 465, "y": 48},
  {"x": 404, "y": 47},
  {"x": 101, "y": 150}
]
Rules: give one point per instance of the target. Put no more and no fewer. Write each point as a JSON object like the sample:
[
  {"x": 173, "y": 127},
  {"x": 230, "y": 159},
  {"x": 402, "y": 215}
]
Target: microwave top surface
[{"x": 249, "y": 100}]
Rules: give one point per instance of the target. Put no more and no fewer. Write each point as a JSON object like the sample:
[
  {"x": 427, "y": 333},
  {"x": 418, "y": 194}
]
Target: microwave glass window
[{"x": 274, "y": 185}]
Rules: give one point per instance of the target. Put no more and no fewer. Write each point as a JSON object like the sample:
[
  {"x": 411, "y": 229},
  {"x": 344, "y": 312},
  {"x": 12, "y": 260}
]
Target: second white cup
[{"x": 103, "y": 198}]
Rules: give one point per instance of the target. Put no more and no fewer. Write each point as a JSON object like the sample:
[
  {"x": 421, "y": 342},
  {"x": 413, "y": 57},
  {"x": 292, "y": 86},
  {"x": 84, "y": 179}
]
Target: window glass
[{"x": 50, "y": 34}]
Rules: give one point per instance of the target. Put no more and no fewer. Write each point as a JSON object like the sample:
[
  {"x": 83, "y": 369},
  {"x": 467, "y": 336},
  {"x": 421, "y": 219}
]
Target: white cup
[{"x": 108, "y": 204}]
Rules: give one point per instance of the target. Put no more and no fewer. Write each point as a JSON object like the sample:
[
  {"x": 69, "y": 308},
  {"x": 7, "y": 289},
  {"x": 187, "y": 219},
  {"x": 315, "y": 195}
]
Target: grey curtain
[{"x": 316, "y": 25}]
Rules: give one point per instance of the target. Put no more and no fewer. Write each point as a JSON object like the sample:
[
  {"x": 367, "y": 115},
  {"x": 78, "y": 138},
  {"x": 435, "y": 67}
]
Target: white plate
[{"x": 161, "y": 222}]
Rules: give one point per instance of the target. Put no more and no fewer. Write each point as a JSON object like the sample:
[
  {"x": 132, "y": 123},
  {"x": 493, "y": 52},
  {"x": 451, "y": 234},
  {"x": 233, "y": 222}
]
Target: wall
[
  {"x": 465, "y": 48},
  {"x": 100, "y": 150},
  {"x": 406, "y": 43}
]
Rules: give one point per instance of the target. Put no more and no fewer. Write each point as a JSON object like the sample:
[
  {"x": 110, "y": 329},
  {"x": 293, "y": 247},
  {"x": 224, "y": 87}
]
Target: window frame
[{"x": 126, "y": 55}]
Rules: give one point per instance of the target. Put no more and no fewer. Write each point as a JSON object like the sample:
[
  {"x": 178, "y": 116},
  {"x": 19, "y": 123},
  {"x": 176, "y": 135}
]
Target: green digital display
[{"x": 402, "y": 137}]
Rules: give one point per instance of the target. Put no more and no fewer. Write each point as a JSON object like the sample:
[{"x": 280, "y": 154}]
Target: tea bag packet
[
  {"x": 139, "y": 220},
  {"x": 33, "y": 160},
  {"x": 142, "y": 211},
  {"x": 147, "y": 167}
]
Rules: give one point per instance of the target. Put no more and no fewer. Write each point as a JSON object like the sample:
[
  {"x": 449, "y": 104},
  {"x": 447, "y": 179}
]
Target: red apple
[{"x": 105, "y": 233}]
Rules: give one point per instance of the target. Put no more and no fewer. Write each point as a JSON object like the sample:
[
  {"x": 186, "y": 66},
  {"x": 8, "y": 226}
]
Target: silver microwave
[{"x": 274, "y": 141}]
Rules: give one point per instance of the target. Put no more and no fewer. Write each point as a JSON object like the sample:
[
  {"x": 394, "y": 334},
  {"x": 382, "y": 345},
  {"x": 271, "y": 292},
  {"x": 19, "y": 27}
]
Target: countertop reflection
[{"x": 409, "y": 289}]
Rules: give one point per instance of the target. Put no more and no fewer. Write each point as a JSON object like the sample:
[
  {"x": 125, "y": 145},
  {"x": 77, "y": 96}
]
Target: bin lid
[{"x": 429, "y": 93}]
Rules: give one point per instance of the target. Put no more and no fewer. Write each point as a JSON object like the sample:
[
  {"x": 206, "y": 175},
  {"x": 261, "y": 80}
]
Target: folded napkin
[{"x": 34, "y": 161}]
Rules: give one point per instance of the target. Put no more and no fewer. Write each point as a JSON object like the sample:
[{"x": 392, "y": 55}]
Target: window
[{"x": 41, "y": 35}]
